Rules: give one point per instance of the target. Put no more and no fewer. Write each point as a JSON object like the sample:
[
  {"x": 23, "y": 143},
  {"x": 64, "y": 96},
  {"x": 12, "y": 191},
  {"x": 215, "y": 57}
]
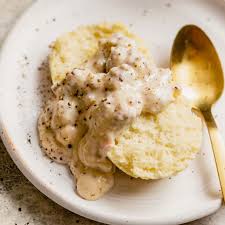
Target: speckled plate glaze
[{"x": 188, "y": 196}]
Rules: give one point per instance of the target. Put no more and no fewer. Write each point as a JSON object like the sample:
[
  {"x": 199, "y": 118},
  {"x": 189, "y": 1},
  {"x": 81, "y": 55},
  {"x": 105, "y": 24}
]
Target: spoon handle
[{"x": 217, "y": 146}]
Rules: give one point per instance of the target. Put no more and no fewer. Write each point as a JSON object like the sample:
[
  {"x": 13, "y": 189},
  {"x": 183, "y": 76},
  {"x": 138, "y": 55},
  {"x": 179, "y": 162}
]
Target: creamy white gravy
[{"x": 93, "y": 105}]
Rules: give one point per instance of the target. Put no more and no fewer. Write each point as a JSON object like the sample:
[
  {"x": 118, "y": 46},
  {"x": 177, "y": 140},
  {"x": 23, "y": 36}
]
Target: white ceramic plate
[{"x": 188, "y": 196}]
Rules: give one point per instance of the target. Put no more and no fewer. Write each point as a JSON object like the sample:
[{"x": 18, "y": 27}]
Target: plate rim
[{"x": 48, "y": 191}]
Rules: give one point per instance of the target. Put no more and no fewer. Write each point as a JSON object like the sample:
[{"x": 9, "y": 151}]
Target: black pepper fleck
[
  {"x": 69, "y": 146},
  {"x": 168, "y": 5},
  {"x": 76, "y": 94},
  {"x": 29, "y": 138}
]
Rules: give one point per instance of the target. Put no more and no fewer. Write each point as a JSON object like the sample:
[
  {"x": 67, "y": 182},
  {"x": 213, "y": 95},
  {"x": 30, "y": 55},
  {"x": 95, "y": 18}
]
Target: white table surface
[{"x": 20, "y": 202}]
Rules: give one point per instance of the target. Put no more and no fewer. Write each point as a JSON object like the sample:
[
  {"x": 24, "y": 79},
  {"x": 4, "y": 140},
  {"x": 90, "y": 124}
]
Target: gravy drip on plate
[{"x": 93, "y": 105}]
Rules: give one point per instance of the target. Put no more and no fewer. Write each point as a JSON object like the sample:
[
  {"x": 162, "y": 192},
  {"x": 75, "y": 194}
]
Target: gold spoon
[{"x": 197, "y": 69}]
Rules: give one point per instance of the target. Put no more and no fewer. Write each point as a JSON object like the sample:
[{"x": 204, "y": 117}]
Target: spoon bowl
[
  {"x": 197, "y": 70},
  {"x": 196, "y": 67}
]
